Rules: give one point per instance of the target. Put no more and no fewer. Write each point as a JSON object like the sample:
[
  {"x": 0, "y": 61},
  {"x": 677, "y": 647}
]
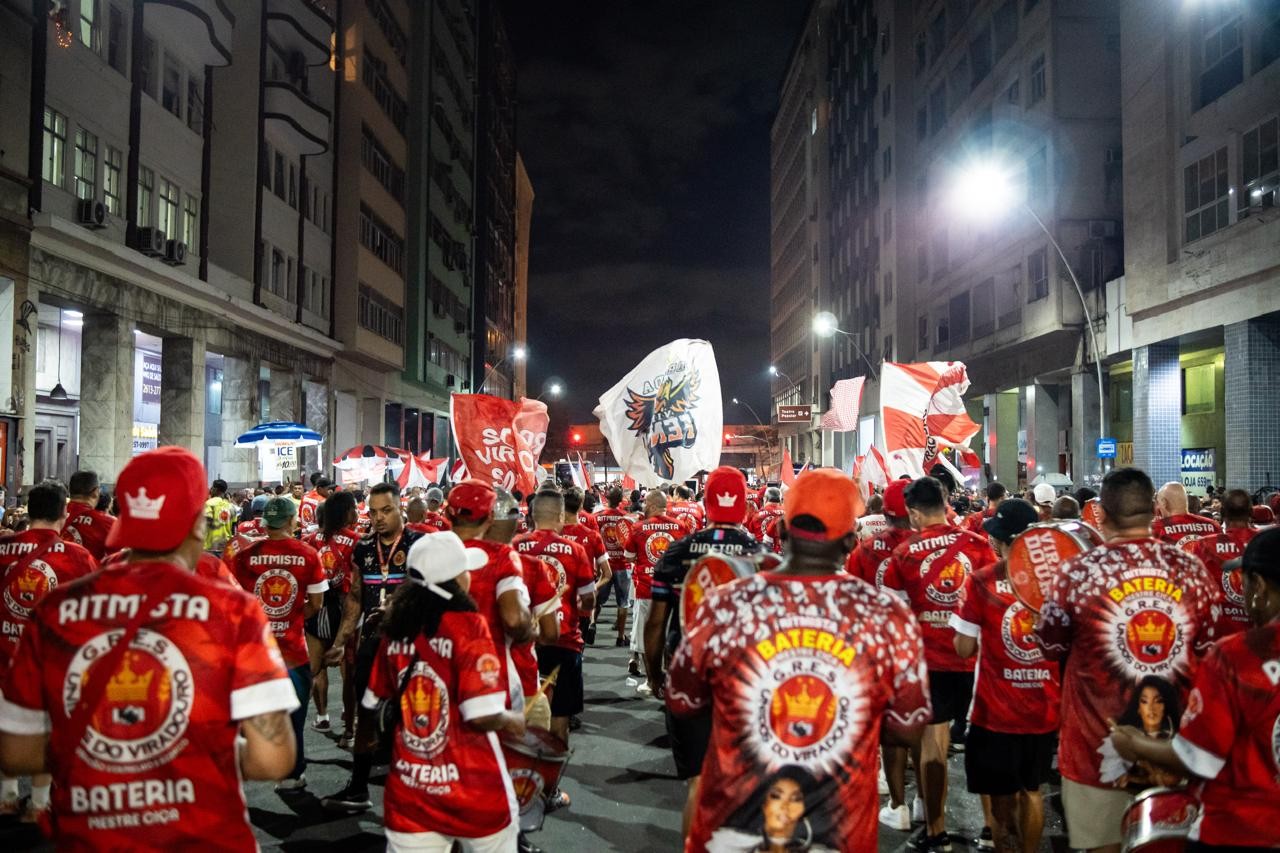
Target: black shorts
[
  {"x": 951, "y": 692},
  {"x": 566, "y": 699},
  {"x": 1000, "y": 764},
  {"x": 690, "y": 737},
  {"x": 366, "y": 653}
]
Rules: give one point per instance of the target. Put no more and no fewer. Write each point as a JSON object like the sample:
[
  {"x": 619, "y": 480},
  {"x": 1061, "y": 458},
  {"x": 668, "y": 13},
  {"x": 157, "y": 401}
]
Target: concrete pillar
[
  {"x": 1253, "y": 401},
  {"x": 106, "y": 395},
  {"x": 1157, "y": 411},
  {"x": 182, "y": 393},
  {"x": 286, "y": 394},
  {"x": 239, "y": 414},
  {"x": 1004, "y": 436},
  {"x": 316, "y": 397},
  {"x": 1086, "y": 467},
  {"x": 1041, "y": 425},
  {"x": 372, "y": 421}
]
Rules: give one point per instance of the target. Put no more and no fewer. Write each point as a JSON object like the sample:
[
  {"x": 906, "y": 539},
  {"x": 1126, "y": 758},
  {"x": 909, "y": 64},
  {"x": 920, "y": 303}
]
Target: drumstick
[{"x": 542, "y": 690}]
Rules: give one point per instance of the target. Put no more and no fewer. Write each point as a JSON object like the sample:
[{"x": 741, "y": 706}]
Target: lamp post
[
  {"x": 825, "y": 325},
  {"x": 517, "y": 353},
  {"x": 747, "y": 406}
]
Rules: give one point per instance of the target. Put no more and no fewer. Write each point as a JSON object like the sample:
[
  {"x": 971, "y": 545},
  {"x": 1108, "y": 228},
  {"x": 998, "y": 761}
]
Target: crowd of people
[{"x": 168, "y": 641}]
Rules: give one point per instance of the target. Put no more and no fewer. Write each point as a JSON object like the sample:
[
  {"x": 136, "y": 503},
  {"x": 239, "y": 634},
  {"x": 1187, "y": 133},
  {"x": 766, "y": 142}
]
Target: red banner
[
  {"x": 532, "y": 422},
  {"x": 490, "y": 434}
]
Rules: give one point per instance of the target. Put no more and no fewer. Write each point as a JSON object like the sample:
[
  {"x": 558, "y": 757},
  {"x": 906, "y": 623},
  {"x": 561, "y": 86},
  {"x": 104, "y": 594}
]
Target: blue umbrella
[{"x": 280, "y": 432}]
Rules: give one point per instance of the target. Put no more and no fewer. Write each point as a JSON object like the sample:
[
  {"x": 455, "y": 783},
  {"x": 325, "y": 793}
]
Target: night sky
[{"x": 644, "y": 127}]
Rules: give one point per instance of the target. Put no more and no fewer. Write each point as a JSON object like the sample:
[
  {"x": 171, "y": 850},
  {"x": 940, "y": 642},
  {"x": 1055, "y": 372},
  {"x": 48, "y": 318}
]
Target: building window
[
  {"x": 290, "y": 282},
  {"x": 1269, "y": 40},
  {"x": 171, "y": 93},
  {"x": 944, "y": 334},
  {"x": 377, "y": 237},
  {"x": 1038, "y": 84},
  {"x": 984, "y": 318},
  {"x": 1038, "y": 177},
  {"x": 89, "y": 23},
  {"x": 86, "y": 164},
  {"x": 112, "y": 168},
  {"x": 888, "y": 288},
  {"x": 375, "y": 79},
  {"x": 167, "y": 221},
  {"x": 1199, "y": 384},
  {"x": 189, "y": 214},
  {"x": 380, "y": 315},
  {"x": 888, "y": 224},
  {"x": 117, "y": 39},
  {"x": 391, "y": 29},
  {"x": 886, "y": 99},
  {"x": 195, "y": 103},
  {"x": 280, "y": 188},
  {"x": 1037, "y": 275},
  {"x": 266, "y": 165},
  {"x": 1205, "y": 196},
  {"x": 55, "y": 147},
  {"x": 888, "y": 347},
  {"x": 147, "y": 73},
  {"x": 1013, "y": 94},
  {"x": 888, "y": 162},
  {"x": 1008, "y": 304},
  {"x": 1259, "y": 169},
  {"x": 293, "y": 186},
  {"x": 959, "y": 315},
  {"x": 146, "y": 189},
  {"x": 277, "y": 272},
  {"x": 1221, "y": 51},
  {"x": 922, "y": 333},
  {"x": 1005, "y": 24}
]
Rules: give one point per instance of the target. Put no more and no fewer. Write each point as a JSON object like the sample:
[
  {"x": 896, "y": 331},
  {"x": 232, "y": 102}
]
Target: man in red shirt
[
  {"x": 931, "y": 568},
  {"x": 759, "y": 523},
  {"x": 1216, "y": 549},
  {"x": 289, "y": 581},
  {"x": 593, "y": 543},
  {"x": 615, "y": 529},
  {"x": 1173, "y": 522},
  {"x": 132, "y": 684},
  {"x": 416, "y": 517},
  {"x": 1014, "y": 719},
  {"x": 805, "y": 671},
  {"x": 1230, "y": 732},
  {"x": 649, "y": 541},
  {"x": 32, "y": 563},
  {"x": 1130, "y": 608},
  {"x": 996, "y": 492},
  {"x": 435, "y": 515},
  {"x": 85, "y": 524},
  {"x": 311, "y": 502}
]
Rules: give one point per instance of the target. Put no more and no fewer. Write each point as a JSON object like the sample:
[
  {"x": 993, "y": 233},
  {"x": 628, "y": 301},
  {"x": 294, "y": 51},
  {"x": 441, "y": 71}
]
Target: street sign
[
  {"x": 1106, "y": 448},
  {"x": 795, "y": 414}
]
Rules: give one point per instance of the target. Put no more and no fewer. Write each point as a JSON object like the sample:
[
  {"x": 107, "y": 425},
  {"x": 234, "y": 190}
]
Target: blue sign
[{"x": 1106, "y": 448}]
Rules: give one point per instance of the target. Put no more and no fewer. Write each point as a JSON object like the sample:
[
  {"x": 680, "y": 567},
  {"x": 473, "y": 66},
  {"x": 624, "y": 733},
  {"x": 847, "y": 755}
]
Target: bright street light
[
  {"x": 747, "y": 406},
  {"x": 519, "y": 353},
  {"x": 774, "y": 371},
  {"x": 556, "y": 389},
  {"x": 825, "y": 325}
]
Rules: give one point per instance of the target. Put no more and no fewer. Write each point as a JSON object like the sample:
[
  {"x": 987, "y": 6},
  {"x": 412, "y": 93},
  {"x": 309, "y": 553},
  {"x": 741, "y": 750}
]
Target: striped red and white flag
[
  {"x": 922, "y": 409},
  {"x": 846, "y": 398}
]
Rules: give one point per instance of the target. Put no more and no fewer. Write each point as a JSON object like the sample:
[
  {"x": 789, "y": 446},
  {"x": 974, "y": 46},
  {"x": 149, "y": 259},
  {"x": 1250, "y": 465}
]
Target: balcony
[
  {"x": 199, "y": 29},
  {"x": 290, "y": 114},
  {"x": 298, "y": 27}
]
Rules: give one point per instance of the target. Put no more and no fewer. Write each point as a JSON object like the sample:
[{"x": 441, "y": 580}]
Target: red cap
[
  {"x": 726, "y": 496},
  {"x": 828, "y": 497},
  {"x": 1263, "y": 515},
  {"x": 161, "y": 493},
  {"x": 895, "y": 499},
  {"x": 471, "y": 500}
]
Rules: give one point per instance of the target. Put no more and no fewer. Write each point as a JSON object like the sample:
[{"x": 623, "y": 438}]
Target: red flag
[
  {"x": 491, "y": 444},
  {"x": 532, "y": 422},
  {"x": 788, "y": 473},
  {"x": 628, "y": 484},
  {"x": 922, "y": 409}
]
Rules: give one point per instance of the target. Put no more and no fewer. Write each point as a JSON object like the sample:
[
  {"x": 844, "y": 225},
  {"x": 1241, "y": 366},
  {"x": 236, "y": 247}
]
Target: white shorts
[
  {"x": 1093, "y": 814},
  {"x": 503, "y": 841},
  {"x": 639, "y": 615}
]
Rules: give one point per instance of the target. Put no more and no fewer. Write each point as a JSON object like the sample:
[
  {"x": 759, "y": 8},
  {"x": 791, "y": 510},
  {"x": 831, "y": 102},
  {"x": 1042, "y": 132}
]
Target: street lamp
[
  {"x": 825, "y": 325},
  {"x": 984, "y": 190},
  {"x": 774, "y": 371},
  {"x": 517, "y": 353},
  {"x": 554, "y": 389},
  {"x": 747, "y": 406}
]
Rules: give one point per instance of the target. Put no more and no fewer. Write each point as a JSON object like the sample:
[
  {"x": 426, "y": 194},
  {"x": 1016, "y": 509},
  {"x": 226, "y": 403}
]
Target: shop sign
[
  {"x": 795, "y": 414},
  {"x": 1199, "y": 469}
]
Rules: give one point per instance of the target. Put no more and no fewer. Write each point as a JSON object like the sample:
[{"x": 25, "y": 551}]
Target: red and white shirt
[
  {"x": 544, "y": 598},
  {"x": 307, "y": 508},
  {"x": 759, "y": 523},
  {"x": 799, "y": 673},
  {"x": 1230, "y": 737},
  {"x": 445, "y": 776},
  {"x": 246, "y": 533},
  {"x": 931, "y": 569},
  {"x": 574, "y": 578},
  {"x": 502, "y": 574},
  {"x": 650, "y": 539},
  {"x": 23, "y": 586},
  {"x": 1017, "y": 691},
  {"x": 1213, "y": 551},
  {"x": 437, "y": 520},
  {"x": 1124, "y": 610},
  {"x": 1176, "y": 528},
  {"x": 209, "y": 566},
  {"x": 590, "y": 540},
  {"x": 870, "y": 560},
  {"x": 88, "y": 527},
  {"x": 281, "y": 573},
  {"x": 688, "y": 513},
  {"x": 872, "y": 525},
  {"x": 159, "y": 754},
  {"x": 615, "y": 529},
  {"x": 335, "y": 557}
]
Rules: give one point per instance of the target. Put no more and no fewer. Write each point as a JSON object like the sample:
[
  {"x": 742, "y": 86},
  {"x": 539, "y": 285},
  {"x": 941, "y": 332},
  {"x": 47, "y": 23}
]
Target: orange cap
[{"x": 828, "y": 497}]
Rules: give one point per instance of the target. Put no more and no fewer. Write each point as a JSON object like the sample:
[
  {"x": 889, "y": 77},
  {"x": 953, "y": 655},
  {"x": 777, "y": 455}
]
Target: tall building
[{"x": 524, "y": 221}]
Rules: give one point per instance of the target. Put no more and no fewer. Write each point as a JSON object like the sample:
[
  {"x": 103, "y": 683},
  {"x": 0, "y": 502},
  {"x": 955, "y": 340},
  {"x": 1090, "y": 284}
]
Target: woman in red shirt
[{"x": 334, "y": 540}]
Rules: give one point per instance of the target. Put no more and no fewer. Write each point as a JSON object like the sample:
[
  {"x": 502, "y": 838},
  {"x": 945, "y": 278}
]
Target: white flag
[{"x": 664, "y": 421}]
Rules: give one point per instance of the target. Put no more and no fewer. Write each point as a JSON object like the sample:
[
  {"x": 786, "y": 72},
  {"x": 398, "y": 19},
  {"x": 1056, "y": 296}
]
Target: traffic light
[
  {"x": 728, "y": 438},
  {"x": 575, "y": 437}
]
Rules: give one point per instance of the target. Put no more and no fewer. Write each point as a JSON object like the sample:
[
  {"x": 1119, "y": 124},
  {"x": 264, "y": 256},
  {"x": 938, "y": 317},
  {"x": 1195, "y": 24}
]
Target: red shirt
[
  {"x": 1175, "y": 528},
  {"x": 335, "y": 557},
  {"x": 159, "y": 755},
  {"x": 247, "y": 532},
  {"x": 1230, "y": 737},
  {"x": 799, "y": 673},
  {"x": 445, "y": 776},
  {"x": 1213, "y": 551},
  {"x": 544, "y": 597},
  {"x": 281, "y": 573},
  {"x": 423, "y": 527},
  {"x": 870, "y": 559},
  {"x": 587, "y": 519},
  {"x": 687, "y": 513},
  {"x": 209, "y": 566},
  {"x": 591, "y": 541},
  {"x": 935, "y": 587},
  {"x": 615, "y": 529},
  {"x": 503, "y": 573},
  {"x": 307, "y": 508},
  {"x": 437, "y": 520},
  {"x": 1018, "y": 691},
  {"x": 88, "y": 527},
  {"x": 759, "y": 523},
  {"x": 574, "y": 578},
  {"x": 1125, "y": 610},
  {"x": 648, "y": 542},
  {"x": 24, "y": 589}
]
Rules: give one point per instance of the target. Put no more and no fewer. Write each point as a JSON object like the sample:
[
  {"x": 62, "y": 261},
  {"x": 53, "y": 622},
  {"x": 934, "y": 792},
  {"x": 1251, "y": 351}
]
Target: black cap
[
  {"x": 324, "y": 483},
  {"x": 1262, "y": 555},
  {"x": 1013, "y": 516}
]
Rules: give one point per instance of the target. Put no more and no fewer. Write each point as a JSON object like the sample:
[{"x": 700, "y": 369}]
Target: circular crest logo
[
  {"x": 880, "y": 570},
  {"x": 25, "y": 588},
  {"x": 656, "y": 546},
  {"x": 805, "y": 708},
  {"x": 1017, "y": 629},
  {"x": 802, "y": 711},
  {"x": 424, "y": 712},
  {"x": 528, "y": 784},
  {"x": 1233, "y": 586},
  {"x": 1275, "y": 744},
  {"x": 562, "y": 577},
  {"x": 278, "y": 590},
  {"x": 945, "y": 585},
  {"x": 74, "y": 532},
  {"x": 1150, "y": 636},
  {"x": 142, "y": 719},
  {"x": 490, "y": 669},
  {"x": 398, "y": 559}
]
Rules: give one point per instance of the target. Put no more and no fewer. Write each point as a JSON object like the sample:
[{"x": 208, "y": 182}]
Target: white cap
[
  {"x": 1044, "y": 493},
  {"x": 439, "y": 557}
]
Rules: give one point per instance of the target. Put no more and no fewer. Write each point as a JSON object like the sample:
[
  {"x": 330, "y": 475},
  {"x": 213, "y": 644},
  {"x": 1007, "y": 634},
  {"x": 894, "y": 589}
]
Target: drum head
[
  {"x": 1038, "y": 552},
  {"x": 706, "y": 574},
  {"x": 1159, "y": 821}
]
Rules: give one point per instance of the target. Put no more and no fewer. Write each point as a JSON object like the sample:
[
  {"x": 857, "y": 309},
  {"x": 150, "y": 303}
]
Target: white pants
[
  {"x": 503, "y": 841},
  {"x": 639, "y": 615}
]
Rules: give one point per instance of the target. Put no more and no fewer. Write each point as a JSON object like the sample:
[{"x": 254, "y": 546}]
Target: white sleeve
[{"x": 263, "y": 698}]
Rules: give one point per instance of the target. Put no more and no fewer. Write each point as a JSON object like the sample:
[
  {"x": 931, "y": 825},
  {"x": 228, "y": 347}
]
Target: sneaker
[
  {"x": 622, "y": 641},
  {"x": 575, "y": 723},
  {"x": 644, "y": 689},
  {"x": 984, "y": 841},
  {"x": 896, "y": 818},
  {"x": 926, "y": 843},
  {"x": 285, "y": 786},
  {"x": 322, "y": 724},
  {"x": 917, "y": 810},
  {"x": 589, "y": 633},
  {"x": 633, "y": 668},
  {"x": 557, "y": 800},
  {"x": 10, "y": 806},
  {"x": 349, "y": 800},
  {"x": 344, "y": 742}
]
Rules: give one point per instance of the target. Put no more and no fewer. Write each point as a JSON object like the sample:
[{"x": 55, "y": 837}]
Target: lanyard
[{"x": 383, "y": 565}]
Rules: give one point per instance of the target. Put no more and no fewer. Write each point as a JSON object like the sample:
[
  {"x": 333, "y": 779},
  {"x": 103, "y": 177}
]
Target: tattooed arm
[{"x": 269, "y": 749}]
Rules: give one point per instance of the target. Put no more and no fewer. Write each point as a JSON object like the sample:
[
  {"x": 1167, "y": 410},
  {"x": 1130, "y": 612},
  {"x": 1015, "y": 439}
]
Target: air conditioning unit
[
  {"x": 1102, "y": 228},
  {"x": 91, "y": 213},
  {"x": 175, "y": 253},
  {"x": 150, "y": 242}
]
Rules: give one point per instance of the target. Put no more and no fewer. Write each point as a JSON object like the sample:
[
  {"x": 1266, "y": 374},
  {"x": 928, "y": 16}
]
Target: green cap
[{"x": 277, "y": 512}]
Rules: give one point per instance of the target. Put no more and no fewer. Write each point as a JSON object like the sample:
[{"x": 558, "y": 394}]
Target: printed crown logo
[
  {"x": 727, "y": 500},
  {"x": 420, "y": 701},
  {"x": 1149, "y": 631},
  {"x": 128, "y": 686},
  {"x": 277, "y": 586},
  {"x": 29, "y": 583},
  {"x": 143, "y": 507},
  {"x": 802, "y": 705}
]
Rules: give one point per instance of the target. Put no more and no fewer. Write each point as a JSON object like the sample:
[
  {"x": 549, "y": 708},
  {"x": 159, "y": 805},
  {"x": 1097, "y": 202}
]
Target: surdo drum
[
  {"x": 536, "y": 762},
  {"x": 1158, "y": 821},
  {"x": 1039, "y": 551},
  {"x": 713, "y": 570}
]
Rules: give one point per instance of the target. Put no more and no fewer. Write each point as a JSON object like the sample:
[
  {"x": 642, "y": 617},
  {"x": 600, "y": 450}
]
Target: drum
[
  {"x": 1089, "y": 513},
  {"x": 1037, "y": 553},
  {"x": 705, "y": 574},
  {"x": 1158, "y": 821},
  {"x": 536, "y": 763}
]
